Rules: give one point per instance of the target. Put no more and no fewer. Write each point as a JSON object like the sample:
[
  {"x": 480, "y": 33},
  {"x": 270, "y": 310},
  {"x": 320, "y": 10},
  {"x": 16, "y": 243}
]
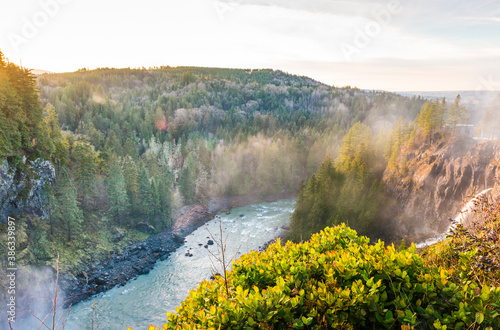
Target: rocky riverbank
[{"x": 133, "y": 261}]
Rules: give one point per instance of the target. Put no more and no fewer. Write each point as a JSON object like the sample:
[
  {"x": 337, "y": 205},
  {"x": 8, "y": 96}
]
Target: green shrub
[{"x": 336, "y": 280}]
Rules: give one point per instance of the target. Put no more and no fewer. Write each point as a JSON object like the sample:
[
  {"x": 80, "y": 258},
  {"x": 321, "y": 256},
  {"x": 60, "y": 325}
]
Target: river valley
[{"x": 145, "y": 300}]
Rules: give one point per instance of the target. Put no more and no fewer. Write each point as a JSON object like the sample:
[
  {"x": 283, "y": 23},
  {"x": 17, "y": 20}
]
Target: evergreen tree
[
  {"x": 441, "y": 113},
  {"x": 427, "y": 120},
  {"x": 117, "y": 193},
  {"x": 85, "y": 161},
  {"x": 22, "y": 129},
  {"x": 357, "y": 154},
  {"x": 113, "y": 143},
  {"x": 457, "y": 115},
  {"x": 129, "y": 149},
  {"x": 60, "y": 147},
  {"x": 52, "y": 206},
  {"x": 130, "y": 174},
  {"x": 187, "y": 180},
  {"x": 187, "y": 78},
  {"x": 146, "y": 195},
  {"x": 68, "y": 211},
  {"x": 165, "y": 201}
]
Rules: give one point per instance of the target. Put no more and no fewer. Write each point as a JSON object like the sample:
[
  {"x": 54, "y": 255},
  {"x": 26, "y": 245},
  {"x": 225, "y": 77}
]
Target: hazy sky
[{"x": 391, "y": 45}]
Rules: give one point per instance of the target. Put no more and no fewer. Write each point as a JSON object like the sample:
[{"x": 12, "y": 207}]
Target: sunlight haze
[{"x": 388, "y": 45}]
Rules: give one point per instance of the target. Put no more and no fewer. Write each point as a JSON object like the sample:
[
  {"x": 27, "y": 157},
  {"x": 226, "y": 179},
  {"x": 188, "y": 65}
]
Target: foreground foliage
[
  {"x": 337, "y": 280},
  {"x": 472, "y": 251}
]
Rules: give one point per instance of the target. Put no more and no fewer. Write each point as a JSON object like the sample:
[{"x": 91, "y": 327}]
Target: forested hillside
[
  {"x": 173, "y": 136},
  {"x": 215, "y": 131},
  {"x": 95, "y": 160}
]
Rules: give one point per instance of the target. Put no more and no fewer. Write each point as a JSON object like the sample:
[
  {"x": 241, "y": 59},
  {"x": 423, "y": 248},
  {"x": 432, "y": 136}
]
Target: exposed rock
[
  {"x": 437, "y": 181},
  {"x": 30, "y": 183},
  {"x": 210, "y": 242},
  {"x": 145, "y": 228}
]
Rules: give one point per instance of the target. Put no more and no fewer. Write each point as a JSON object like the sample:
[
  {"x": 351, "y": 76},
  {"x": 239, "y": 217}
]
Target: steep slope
[{"x": 435, "y": 181}]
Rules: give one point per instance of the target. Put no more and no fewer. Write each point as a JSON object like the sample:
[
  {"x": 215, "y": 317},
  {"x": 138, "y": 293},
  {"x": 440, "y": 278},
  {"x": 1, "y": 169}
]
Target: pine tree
[
  {"x": 52, "y": 206},
  {"x": 146, "y": 195},
  {"x": 60, "y": 147},
  {"x": 68, "y": 211},
  {"x": 165, "y": 200},
  {"x": 457, "y": 114},
  {"x": 113, "y": 144},
  {"x": 129, "y": 149},
  {"x": 441, "y": 113},
  {"x": 431, "y": 118},
  {"x": 85, "y": 161},
  {"x": 187, "y": 78},
  {"x": 22, "y": 131},
  {"x": 131, "y": 176},
  {"x": 187, "y": 180},
  {"x": 357, "y": 151},
  {"x": 117, "y": 193}
]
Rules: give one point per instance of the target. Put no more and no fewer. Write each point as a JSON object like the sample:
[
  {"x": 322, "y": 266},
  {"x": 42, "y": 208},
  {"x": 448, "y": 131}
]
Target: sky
[{"x": 395, "y": 45}]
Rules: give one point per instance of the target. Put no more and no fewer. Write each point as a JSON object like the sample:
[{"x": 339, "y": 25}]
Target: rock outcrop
[
  {"x": 22, "y": 191},
  {"x": 435, "y": 182}
]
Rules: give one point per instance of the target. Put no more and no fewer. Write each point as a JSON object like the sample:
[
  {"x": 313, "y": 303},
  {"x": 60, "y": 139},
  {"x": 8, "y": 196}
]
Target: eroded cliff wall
[{"x": 434, "y": 181}]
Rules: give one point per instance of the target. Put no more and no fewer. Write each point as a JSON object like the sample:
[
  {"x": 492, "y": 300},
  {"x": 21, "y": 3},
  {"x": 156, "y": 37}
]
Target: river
[{"x": 146, "y": 299}]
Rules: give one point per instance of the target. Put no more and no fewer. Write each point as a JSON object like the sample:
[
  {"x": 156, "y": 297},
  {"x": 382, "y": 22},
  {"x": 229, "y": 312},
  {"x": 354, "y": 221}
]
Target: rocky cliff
[{"x": 434, "y": 180}]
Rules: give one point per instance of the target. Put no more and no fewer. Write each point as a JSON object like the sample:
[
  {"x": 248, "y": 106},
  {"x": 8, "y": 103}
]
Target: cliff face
[
  {"x": 14, "y": 184},
  {"x": 436, "y": 181}
]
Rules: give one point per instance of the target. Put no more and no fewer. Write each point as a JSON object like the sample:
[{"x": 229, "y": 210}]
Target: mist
[{"x": 35, "y": 292}]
